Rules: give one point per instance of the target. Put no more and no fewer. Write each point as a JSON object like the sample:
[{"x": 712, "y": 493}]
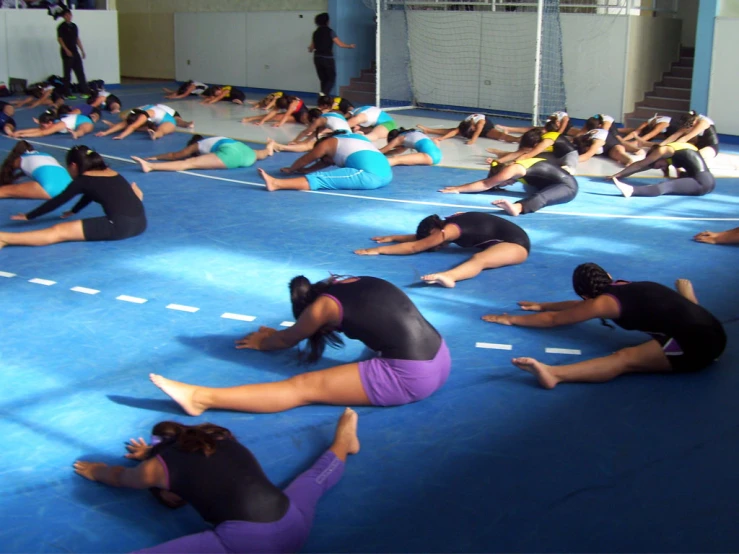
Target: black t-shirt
[
  {"x": 68, "y": 33},
  {"x": 323, "y": 42},
  {"x": 228, "y": 485},
  {"x": 113, "y": 193}
]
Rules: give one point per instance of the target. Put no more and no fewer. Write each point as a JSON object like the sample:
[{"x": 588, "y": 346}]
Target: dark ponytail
[
  {"x": 313, "y": 114},
  {"x": 194, "y": 139},
  {"x": 595, "y": 122},
  {"x": 47, "y": 117},
  {"x": 7, "y": 170},
  {"x": 531, "y": 138},
  {"x": 465, "y": 129},
  {"x": 192, "y": 438},
  {"x": 302, "y": 295},
  {"x": 590, "y": 281},
  {"x": 583, "y": 143},
  {"x": 85, "y": 159},
  {"x": 495, "y": 168}
]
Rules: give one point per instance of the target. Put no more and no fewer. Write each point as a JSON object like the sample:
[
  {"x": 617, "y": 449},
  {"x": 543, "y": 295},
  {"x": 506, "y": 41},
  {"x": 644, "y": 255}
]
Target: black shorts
[
  {"x": 695, "y": 351},
  {"x": 708, "y": 138},
  {"x": 102, "y": 228},
  {"x": 236, "y": 94}
]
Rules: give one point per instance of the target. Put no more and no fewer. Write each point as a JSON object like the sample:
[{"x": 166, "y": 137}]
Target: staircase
[
  {"x": 361, "y": 90},
  {"x": 671, "y": 96}
]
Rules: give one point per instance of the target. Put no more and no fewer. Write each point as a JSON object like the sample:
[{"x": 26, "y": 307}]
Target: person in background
[
  {"x": 69, "y": 39},
  {"x": 322, "y": 47}
]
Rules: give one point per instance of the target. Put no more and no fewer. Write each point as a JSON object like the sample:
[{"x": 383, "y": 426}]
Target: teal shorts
[
  {"x": 347, "y": 178},
  {"x": 428, "y": 147},
  {"x": 236, "y": 154},
  {"x": 52, "y": 178}
]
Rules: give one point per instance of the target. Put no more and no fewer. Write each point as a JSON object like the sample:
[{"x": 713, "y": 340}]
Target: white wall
[
  {"x": 687, "y": 12},
  {"x": 722, "y": 98},
  {"x": 727, "y": 8},
  {"x": 654, "y": 44},
  {"x": 29, "y": 39},
  {"x": 3, "y": 48},
  {"x": 256, "y": 49}
]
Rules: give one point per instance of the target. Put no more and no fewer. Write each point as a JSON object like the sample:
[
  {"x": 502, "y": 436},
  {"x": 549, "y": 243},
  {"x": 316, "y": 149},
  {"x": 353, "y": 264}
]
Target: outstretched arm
[
  {"x": 308, "y": 131},
  {"x": 288, "y": 112},
  {"x": 112, "y": 129},
  {"x": 697, "y": 129},
  {"x": 187, "y": 152},
  {"x": 603, "y": 306},
  {"x": 24, "y": 133},
  {"x": 44, "y": 99},
  {"x": 147, "y": 474},
  {"x": 140, "y": 122},
  {"x": 592, "y": 151},
  {"x": 478, "y": 131},
  {"x": 536, "y": 150},
  {"x": 406, "y": 247},
  {"x": 724, "y": 237},
  {"x": 506, "y": 176},
  {"x": 340, "y": 44},
  {"x": 641, "y": 165},
  {"x": 392, "y": 145}
]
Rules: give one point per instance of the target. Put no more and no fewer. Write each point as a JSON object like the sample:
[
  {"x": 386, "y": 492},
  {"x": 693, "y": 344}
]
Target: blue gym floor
[{"x": 489, "y": 463}]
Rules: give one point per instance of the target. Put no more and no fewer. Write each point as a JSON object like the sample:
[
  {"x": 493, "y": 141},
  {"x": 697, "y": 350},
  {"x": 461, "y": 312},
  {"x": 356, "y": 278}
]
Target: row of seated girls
[{"x": 204, "y": 465}]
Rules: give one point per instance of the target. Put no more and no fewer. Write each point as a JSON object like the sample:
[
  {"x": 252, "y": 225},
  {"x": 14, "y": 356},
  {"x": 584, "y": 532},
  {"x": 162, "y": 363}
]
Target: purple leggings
[{"x": 285, "y": 535}]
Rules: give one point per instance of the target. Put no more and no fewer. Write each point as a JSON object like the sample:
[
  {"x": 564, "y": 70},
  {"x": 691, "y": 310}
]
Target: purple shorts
[{"x": 390, "y": 382}]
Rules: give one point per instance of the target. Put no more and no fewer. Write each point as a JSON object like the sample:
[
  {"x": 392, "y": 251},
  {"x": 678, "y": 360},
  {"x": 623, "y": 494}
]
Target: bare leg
[
  {"x": 498, "y": 255},
  {"x": 29, "y": 189},
  {"x": 273, "y": 184},
  {"x": 266, "y": 152},
  {"x": 62, "y": 232},
  {"x": 618, "y": 154},
  {"x": 647, "y": 357},
  {"x": 304, "y": 146},
  {"x": 182, "y": 123},
  {"x": 685, "y": 288},
  {"x": 510, "y": 208},
  {"x": 137, "y": 191},
  {"x": 163, "y": 129},
  {"x": 434, "y": 131},
  {"x": 206, "y": 161},
  {"x": 495, "y": 134},
  {"x": 411, "y": 159},
  {"x": 338, "y": 385},
  {"x": 377, "y": 133}
]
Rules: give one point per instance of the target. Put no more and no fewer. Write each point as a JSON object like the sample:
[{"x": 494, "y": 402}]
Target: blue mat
[{"x": 489, "y": 463}]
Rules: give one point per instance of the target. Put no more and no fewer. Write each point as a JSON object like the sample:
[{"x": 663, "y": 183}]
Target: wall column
[
  {"x": 707, "y": 12},
  {"x": 354, "y": 23}
]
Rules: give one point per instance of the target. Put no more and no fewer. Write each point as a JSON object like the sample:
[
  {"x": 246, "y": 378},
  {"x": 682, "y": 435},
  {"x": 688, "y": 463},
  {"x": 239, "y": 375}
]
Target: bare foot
[
  {"x": 152, "y": 134},
  {"x": 510, "y": 209},
  {"x": 181, "y": 393},
  {"x": 439, "y": 279},
  {"x": 190, "y": 124},
  {"x": 345, "y": 440},
  {"x": 272, "y": 146},
  {"x": 542, "y": 371},
  {"x": 145, "y": 166},
  {"x": 268, "y": 179},
  {"x": 685, "y": 288},
  {"x": 626, "y": 190},
  {"x": 3, "y": 243}
]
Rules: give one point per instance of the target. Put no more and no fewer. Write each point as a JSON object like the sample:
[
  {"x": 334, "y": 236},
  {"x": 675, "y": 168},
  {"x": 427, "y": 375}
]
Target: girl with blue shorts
[
  {"x": 361, "y": 166},
  {"x": 400, "y": 140},
  {"x": 205, "y": 466},
  {"x": 377, "y": 122},
  {"x": 48, "y": 177},
  {"x": 411, "y": 362},
  {"x": 157, "y": 119},
  {"x": 206, "y": 153},
  {"x": 49, "y": 123}
]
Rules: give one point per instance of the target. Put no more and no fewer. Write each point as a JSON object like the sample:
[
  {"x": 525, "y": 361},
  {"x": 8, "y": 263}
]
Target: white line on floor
[
  {"x": 493, "y": 346},
  {"x": 287, "y": 324},
  {"x": 133, "y": 299},
  {"x": 44, "y": 282},
  {"x": 84, "y": 290},
  {"x": 181, "y": 308},
  {"x": 562, "y": 351},
  {"x": 6, "y": 274},
  {"x": 425, "y": 203},
  {"x": 238, "y": 317}
]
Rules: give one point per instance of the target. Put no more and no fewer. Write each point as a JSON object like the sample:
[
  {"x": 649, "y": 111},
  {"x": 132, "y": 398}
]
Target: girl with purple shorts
[
  {"x": 412, "y": 360},
  {"x": 207, "y": 467}
]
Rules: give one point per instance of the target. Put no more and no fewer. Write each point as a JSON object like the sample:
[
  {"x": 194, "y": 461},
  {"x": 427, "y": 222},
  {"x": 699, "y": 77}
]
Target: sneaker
[
  {"x": 71, "y": 97},
  {"x": 84, "y": 96}
]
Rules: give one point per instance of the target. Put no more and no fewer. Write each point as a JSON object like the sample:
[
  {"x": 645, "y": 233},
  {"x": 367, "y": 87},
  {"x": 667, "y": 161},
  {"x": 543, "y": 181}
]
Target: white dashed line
[
  {"x": 238, "y": 317},
  {"x": 6, "y": 274},
  {"x": 131, "y": 299},
  {"x": 181, "y": 308},
  {"x": 562, "y": 351},
  {"x": 84, "y": 290},
  {"x": 287, "y": 324},
  {"x": 493, "y": 346},
  {"x": 44, "y": 282}
]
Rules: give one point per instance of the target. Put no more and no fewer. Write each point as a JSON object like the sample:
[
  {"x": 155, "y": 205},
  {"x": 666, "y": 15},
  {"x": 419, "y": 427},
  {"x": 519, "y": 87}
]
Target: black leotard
[
  {"x": 382, "y": 316},
  {"x": 482, "y": 230},
  {"x": 688, "y": 159},
  {"x": 489, "y": 126},
  {"x": 690, "y": 335},
  {"x": 124, "y": 212},
  {"x": 709, "y": 137},
  {"x": 228, "y": 485}
]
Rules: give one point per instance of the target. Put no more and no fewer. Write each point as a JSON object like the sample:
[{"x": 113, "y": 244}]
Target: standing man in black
[
  {"x": 322, "y": 47},
  {"x": 69, "y": 39}
]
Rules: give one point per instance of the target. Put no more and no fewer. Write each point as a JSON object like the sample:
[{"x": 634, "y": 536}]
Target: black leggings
[
  {"x": 102, "y": 228},
  {"x": 701, "y": 184},
  {"x": 558, "y": 193},
  {"x": 326, "y": 69},
  {"x": 73, "y": 63}
]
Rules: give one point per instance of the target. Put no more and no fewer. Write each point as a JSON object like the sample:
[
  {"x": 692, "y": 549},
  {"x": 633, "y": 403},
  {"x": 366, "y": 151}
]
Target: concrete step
[
  {"x": 671, "y": 92},
  {"x": 368, "y": 75},
  {"x": 676, "y": 82},
  {"x": 660, "y": 103},
  {"x": 685, "y": 61},
  {"x": 687, "y": 52},
  {"x": 358, "y": 97},
  {"x": 680, "y": 71},
  {"x": 365, "y": 86},
  {"x": 647, "y": 112}
]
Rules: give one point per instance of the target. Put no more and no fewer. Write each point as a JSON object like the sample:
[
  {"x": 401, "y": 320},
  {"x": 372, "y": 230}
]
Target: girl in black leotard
[
  {"x": 500, "y": 242},
  {"x": 697, "y": 179},
  {"x": 699, "y": 130},
  {"x": 411, "y": 362},
  {"x": 205, "y": 466},
  {"x": 547, "y": 183},
  {"x": 121, "y": 202},
  {"x": 685, "y": 336}
]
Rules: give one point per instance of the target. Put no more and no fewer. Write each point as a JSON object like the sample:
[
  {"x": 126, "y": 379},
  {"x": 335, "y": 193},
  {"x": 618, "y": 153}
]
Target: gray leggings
[
  {"x": 701, "y": 184},
  {"x": 558, "y": 193}
]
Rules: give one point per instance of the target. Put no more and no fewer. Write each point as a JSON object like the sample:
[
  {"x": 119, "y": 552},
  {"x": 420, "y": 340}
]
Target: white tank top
[
  {"x": 205, "y": 146},
  {"x": 410, "y": 139},
  {"x": 336, "y": 122},
  {"x": 372, "y": 113},
  {"x": 70, "y": 121},
  {"x": 348, "y": 146},
  {"x": 31, "y": 161}
]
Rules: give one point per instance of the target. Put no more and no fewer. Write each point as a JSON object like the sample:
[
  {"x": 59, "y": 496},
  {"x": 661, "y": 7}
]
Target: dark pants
[
  {"x": 70, "y": 64},
  {"x": 326, "y": 69}
]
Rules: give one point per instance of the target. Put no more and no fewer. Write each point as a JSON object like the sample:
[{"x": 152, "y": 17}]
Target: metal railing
[{"x": 602, "y": 7}]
